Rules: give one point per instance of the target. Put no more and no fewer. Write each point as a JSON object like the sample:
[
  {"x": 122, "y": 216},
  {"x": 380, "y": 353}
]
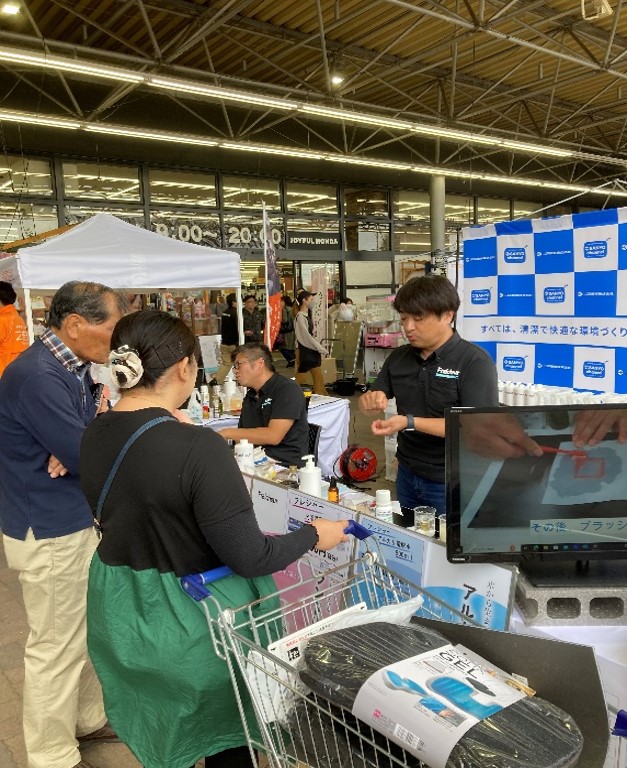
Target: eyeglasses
[{"x": 238, "y": 363}]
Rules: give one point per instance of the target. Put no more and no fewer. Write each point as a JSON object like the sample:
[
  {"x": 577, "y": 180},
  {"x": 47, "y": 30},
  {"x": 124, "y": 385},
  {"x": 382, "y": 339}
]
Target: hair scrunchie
[{"x": 126, "y": 366}]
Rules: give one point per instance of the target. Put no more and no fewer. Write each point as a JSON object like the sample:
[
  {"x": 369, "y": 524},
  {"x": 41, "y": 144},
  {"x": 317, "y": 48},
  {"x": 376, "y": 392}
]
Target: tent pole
[
  {"x": 28, "y": 313},
  {"x": 240, "y": 315}
]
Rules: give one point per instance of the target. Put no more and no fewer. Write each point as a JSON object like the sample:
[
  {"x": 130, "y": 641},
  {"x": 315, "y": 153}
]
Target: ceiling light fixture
[
  {"x": 141, "y": 133},
  {"x": 243, "y": 97},
  {"x": 248, "y": 99},
  {"x": 10, "y": 9},
  {"x": 69, "y": 65}
]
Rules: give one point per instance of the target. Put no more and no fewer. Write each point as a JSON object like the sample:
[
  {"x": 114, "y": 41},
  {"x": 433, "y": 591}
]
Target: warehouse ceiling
[{"x": 533, "y": 90}]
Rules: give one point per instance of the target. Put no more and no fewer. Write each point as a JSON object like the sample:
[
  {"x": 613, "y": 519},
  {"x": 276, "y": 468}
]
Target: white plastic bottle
[
  {"x": 310, "y": 477},
  {"x": 194, "y": 407},
  {"x": 383, "y": 510},
  {"x": 244, "y": 455}
]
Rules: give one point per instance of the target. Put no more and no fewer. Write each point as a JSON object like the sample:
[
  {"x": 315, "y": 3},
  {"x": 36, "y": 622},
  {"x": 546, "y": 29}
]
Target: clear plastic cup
[
  {"x": 442, "y": 522},
  {"x": 424, "y": 520}
]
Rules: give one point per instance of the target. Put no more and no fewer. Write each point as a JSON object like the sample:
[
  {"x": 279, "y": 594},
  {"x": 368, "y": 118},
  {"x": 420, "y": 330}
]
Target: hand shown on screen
[
  {"x": 591, "y": 426},
  {"x": 497, "y": 436}
]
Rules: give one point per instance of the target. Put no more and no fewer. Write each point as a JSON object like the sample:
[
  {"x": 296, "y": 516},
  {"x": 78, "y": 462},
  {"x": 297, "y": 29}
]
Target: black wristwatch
[{"x": 410, "y": 423}]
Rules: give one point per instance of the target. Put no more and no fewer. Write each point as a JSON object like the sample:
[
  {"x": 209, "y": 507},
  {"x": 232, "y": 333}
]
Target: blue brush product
[
  {"x": 393, "y": 680},
  {"x": 462, "y": 696}
]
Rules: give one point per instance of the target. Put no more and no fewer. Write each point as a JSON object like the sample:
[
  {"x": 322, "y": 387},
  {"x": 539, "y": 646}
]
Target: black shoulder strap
[{"x": 116, "y": 465}]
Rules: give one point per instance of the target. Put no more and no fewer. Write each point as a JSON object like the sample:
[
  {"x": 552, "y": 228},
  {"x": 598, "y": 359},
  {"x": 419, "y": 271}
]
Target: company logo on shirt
[
  {"x": 446, "y": 373},
  {"x": 267, "y": 401}
]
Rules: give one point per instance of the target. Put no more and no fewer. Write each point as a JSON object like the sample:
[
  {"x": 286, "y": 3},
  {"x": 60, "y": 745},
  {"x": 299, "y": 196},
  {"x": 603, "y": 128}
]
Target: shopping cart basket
[{"x": 291, "y": 725}]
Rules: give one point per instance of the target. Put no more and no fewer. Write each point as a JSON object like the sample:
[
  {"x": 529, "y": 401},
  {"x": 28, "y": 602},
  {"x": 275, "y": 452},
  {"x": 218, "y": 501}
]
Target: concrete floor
[{"x": 13, "y": 633}]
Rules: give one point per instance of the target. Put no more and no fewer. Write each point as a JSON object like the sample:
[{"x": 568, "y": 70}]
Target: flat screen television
[{"x": 560, "y": 515}]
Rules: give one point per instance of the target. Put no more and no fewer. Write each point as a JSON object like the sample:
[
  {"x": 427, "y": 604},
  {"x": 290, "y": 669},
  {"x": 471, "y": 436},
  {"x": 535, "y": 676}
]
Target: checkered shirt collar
[{"x": 64, "y": 354}]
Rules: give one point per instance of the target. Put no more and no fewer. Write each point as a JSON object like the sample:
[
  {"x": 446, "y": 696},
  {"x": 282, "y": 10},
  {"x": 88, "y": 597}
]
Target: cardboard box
[
  {"x": 329, "y": 370},
  {"x": 564, "y": 674}
]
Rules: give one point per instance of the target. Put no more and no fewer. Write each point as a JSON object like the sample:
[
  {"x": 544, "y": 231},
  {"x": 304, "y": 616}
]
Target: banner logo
[
  {"x": 593, "y": 369},
  {"x": 514, "y": 363},
  {"x": 595, "y": 249},
  {"x": 515, "y": 255},
  {"x": 554, "y": 295},
  {"x": 480, "y": 296}
]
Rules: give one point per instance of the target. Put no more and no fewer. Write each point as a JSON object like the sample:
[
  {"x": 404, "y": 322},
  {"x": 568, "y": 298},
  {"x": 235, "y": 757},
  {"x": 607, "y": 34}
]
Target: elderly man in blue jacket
[{"x": 46, "y": 402}]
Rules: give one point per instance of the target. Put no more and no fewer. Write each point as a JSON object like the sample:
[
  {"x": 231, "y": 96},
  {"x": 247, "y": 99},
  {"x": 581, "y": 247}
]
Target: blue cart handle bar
[{"x": 194, "y": 584}]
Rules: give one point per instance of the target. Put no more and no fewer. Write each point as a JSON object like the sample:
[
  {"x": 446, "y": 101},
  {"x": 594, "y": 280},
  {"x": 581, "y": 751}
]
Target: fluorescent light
[
  {"x": 536, "y": 148},
  {"x": 240, "y": 97},
  {"x": 10, "y": 9},
  {"x": 270, "y": 150},
  {"x": 354, "y": 117},
  {"x": 140, "y": 133},
  {"x": 51, "y": 121},
  {"x": 247, "y": 98},
  {"x": 69, "y": 65}
]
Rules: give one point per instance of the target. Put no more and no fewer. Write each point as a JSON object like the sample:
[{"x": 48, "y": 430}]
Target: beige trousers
[
  {"x": 225, "y": 363},
  {"x": 62, "y": 696}
]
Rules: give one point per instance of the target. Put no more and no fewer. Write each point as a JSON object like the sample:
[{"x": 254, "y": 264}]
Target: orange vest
[{"x": 13, "y": 335}]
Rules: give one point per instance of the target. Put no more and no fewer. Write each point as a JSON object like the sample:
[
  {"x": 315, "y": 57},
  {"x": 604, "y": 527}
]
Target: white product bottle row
[{"x": 517, "y": 393}]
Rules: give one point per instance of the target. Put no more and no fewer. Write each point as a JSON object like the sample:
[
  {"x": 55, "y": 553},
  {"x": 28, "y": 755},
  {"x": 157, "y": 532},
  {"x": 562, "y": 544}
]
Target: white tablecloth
[{"x": 331, "y": 413}]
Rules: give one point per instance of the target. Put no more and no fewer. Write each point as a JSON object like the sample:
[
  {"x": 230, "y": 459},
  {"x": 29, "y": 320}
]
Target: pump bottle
[{"x": 310, "y": 477}]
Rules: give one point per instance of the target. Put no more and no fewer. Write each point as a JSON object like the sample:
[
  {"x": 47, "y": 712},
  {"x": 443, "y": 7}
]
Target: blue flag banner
[{"x": 547, "y": 298}]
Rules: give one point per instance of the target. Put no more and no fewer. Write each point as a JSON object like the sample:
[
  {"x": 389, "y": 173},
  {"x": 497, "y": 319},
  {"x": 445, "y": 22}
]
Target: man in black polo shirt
[
  {"x": 274, "y": 413},
  {"x": 436, "y": 370}
]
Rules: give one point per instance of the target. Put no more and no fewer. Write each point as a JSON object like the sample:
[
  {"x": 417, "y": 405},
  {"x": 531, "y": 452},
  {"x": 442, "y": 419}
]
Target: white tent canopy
[{"x": 106, "y": 250}]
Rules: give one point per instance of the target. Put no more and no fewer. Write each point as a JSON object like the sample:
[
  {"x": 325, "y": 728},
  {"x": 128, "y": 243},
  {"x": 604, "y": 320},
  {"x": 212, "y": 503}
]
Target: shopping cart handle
[
  {"x": 194, "y": 583},
  {"x": 620, "y": 727},
  {"x": 357, "y": 530}
]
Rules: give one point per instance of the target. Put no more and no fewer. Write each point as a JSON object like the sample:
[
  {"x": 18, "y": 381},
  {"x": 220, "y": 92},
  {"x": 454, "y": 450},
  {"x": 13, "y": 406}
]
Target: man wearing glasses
[
  {"x": 274, "y": 413},
  {"x": 46, "y": 401}
]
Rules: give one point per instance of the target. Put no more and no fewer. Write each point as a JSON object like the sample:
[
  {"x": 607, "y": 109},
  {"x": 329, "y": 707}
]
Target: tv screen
[{"x": 523, "y": 487}]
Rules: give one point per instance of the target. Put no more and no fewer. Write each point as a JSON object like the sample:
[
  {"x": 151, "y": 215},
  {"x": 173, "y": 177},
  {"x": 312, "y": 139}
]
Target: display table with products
[{"x": 330, "y": 413}]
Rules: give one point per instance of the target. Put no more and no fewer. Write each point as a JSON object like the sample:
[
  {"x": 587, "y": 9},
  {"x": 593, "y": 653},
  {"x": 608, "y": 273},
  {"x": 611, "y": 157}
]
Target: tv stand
[
  {"x": 598, "y": 574},
  {"x": 560, "y": 594}
]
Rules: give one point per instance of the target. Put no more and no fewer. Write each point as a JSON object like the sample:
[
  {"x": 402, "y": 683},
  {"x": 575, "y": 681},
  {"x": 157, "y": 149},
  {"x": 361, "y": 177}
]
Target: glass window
[
  {"x": 412, "y": 238},
  {"x": 526, "y": 210},
  {"x": 492, "y": 209},
  {"x": 75, "y": 214},
  {"x": 411, "y": 205},
  {"x": 365, "y": 201},
  {"x": 459, "y": 209},
  {"x": 96, "y": 181},
  {"x": 367, "y": 236},
  {"x": 19, "y": 221},
  {"x": 311, "y": 198},
  {"x": 24, "y": 176},
  {"x": 188, "y": 227},
  {"x": 182, "y": 188},
  {"x": 248, "y": 192},
  {"x": 313, "y": 234},
  {"x": 245, "y": 231}
]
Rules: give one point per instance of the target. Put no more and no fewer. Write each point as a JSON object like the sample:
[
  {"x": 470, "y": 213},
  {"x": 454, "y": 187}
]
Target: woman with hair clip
[
  {"x": 310, "y": 350},
  {"x": 176, "y": 505}
]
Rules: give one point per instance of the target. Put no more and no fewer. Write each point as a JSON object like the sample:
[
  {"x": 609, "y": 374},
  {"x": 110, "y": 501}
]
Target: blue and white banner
[{"x": 547, "y": 298}]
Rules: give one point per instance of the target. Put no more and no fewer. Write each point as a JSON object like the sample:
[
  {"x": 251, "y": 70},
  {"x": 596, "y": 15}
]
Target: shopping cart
[{"x": 287, "y": 723}]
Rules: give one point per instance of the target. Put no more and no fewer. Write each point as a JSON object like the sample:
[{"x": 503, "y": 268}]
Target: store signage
[
  {"x": 197, "y": 231},
  {"x": 309, "y": 240}
]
